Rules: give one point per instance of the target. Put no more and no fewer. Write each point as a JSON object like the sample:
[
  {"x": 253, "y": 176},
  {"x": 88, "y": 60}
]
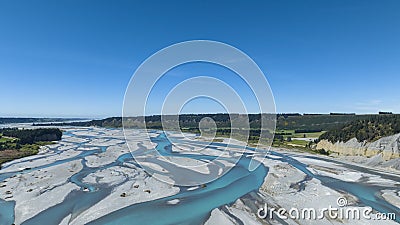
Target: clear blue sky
[{"x": 75, "y": 58}]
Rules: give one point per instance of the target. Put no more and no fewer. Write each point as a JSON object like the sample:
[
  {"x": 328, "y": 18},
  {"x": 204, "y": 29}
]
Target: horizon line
[{"x": 215, "y": 113}]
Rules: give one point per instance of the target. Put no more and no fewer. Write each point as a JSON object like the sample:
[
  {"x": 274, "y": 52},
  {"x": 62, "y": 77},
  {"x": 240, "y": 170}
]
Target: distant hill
[
  {"x": 292, "y": 121},
  {"x": 108, "y": 122},
  {"x": 316, "y": 121},
  {"x": 6, "y": 120},
  {"x": 370, "y": 128}
]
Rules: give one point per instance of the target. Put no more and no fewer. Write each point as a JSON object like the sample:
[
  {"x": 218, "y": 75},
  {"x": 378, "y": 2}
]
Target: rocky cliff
[{"x": 388, "y": 147}]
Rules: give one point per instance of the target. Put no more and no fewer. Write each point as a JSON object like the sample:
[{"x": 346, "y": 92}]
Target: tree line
[
  {"x": 368, "y": 129},
  {"x": 31, "y": 136}
]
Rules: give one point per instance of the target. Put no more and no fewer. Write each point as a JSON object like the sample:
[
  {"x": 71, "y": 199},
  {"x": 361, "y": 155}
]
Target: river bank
[{"x": 90, "y": 177}]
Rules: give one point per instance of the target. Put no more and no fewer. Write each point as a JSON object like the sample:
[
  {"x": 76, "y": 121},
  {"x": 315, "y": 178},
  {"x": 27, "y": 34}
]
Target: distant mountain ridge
[{"x": 289, "y": 121}]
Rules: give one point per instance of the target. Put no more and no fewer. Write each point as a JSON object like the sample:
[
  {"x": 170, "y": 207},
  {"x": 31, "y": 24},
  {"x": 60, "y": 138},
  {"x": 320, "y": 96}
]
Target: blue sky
[{"x": 75, "y": 58}]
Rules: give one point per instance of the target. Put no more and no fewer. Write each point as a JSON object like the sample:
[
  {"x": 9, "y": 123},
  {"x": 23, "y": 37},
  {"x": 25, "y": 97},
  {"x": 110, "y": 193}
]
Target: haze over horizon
[{"x": 75, "y": 59}]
